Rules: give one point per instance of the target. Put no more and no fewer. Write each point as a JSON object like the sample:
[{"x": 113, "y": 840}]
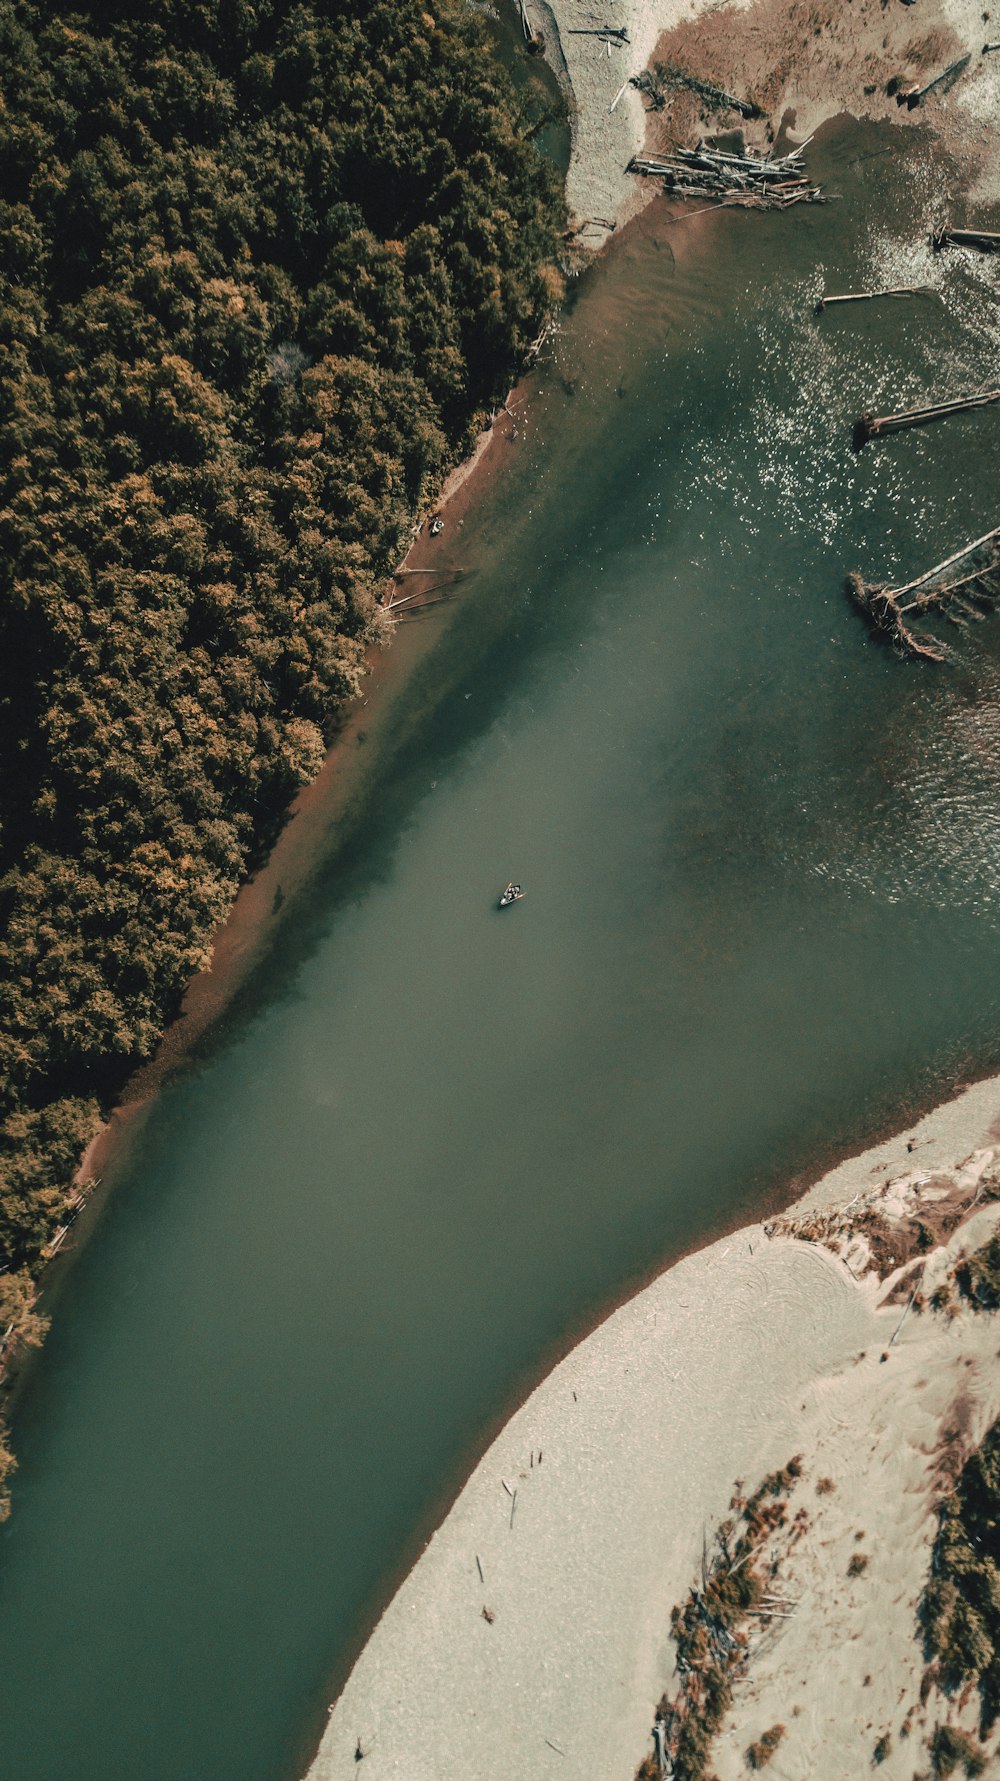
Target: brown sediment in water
[
  {"x": 266, "y": 900},
  {"x": 266, "y": 912}
]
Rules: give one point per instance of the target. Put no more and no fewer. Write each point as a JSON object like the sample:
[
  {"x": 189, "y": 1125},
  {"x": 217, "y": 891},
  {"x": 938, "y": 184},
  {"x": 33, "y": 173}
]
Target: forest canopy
[{"x": 263, "y": 269}]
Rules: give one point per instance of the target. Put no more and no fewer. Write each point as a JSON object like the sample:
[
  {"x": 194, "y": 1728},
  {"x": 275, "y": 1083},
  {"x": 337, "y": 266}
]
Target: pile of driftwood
[
  {"x": 958, "y": 598},
  {"x": 715, "y": 1628},
  {"x": 746, "y": 180}
]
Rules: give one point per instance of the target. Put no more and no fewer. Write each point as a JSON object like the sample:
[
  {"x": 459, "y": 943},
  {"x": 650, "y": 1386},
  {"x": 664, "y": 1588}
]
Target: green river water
[{"x": 430, "y": 1143}]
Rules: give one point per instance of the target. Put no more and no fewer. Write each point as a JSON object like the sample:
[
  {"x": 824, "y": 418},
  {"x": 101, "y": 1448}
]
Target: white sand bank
[
  {"x": 733, "y": 1360},
  {"x": 604, "y": 141}
]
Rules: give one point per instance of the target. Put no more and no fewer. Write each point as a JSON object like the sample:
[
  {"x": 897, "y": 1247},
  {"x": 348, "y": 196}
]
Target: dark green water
[{"x": 432, "y": 1142}]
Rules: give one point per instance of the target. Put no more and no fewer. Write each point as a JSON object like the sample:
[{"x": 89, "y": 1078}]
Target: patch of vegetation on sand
[
  {"x": 712, "y": 1633},
  {"x": 978, "y": 1279},
  {"x": 952, "y": 1749}
]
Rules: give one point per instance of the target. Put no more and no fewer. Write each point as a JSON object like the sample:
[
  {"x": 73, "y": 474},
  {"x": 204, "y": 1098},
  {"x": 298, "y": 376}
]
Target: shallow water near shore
[{"x": 431, "y": 1141}]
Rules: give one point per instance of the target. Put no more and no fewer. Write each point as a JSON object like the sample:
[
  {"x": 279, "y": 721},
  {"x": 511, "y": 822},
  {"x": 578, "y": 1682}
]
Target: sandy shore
[
  {"x": 753, "y": 1349},
  {"x": 800, "y": 60}
]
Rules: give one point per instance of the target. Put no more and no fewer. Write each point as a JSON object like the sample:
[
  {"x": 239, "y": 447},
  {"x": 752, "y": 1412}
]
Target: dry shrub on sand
[
  {"x": 710, "y": 1628},
  {"x": 951, "y": 1749},
  {"x": 978, "y": 1278},
  {"x": 760, "y": 1754}
]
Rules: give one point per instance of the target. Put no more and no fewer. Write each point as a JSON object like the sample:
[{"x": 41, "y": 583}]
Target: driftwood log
[
  {"x": 432, "y": 594},
  {"x": 714, "y": 96},
  {"x": 958, "y": 598},
  {"x": 942, "y": 83},
  {"x": 987, "y": 241},
  {"x": 607, "y": 33},
  {"x": 872, "y": 426},
  {"x": 903, "y": 290}
]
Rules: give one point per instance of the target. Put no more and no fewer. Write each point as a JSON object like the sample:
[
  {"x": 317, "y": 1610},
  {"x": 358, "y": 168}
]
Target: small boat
[{"x": 512, "y": 894}]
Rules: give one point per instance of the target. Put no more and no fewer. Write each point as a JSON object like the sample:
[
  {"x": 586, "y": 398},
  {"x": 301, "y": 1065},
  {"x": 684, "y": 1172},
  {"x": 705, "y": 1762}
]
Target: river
[{"x": 429, "y": 1142}]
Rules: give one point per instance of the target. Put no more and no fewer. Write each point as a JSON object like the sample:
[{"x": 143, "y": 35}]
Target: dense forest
[{"x": 263, "y": 268}]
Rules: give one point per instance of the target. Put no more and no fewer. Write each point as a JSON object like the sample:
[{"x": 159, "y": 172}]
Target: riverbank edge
[
  {"x": 86, "y": 1179},
  {"x": 251, "y": 922},
  {"x": 594, "y": 156},
  {"x": 235, "y": 947},
  {"x": 600, "y": 156},
  {"x": 611, "y": 1469}
]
